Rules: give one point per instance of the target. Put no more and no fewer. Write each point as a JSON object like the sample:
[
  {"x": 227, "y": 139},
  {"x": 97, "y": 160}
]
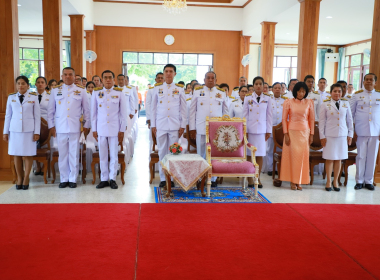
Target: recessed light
[
  {"x": 329, "y": 17},
  {"x": 327, "y": 37},
  {"x": 287, "y": 33}
]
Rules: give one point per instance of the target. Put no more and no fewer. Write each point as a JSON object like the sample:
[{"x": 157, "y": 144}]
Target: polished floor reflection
[{"x": 138, "y": 190}]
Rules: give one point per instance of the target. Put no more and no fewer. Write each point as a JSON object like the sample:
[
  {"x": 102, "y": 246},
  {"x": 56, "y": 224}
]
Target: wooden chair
[
  {"x": 153, "y": 159},
  {"x": 315, "y": 156},
  {"x": 121, "y": 161},
  {"x": 190, "y": 142},
  {"x": 349, "y": 161},
  {"x": 227, "y": 158},
  {"x": 278, "y": 140},
  {"x": 43, "y": 154}
]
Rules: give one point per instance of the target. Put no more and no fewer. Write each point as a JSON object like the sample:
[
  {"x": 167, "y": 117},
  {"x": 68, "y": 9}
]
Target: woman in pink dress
[{"x": 298, "y": 127}]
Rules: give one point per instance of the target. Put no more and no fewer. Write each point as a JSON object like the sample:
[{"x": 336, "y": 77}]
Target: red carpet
[
  {"x": 189, "y": 241},
  {"x": 354, "y": 228},
  {"x": 68, "y": 241}
]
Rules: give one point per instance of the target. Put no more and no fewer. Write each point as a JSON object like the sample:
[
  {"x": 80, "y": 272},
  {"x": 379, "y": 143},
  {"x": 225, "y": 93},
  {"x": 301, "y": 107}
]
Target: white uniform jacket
[
  {"x": 129, "y": 100},
  {"x": 206, "y": 102},
  {"x": 44, "y": 104},
  {"x": 25, "y": 117},
  {"x": 277, "y": 105},
  {"x": 365, "y": 108},
  {"x": 108, "y": 111},
  {"x": 169, "y": 110},
  {"x": 316, "y": 97},
  {"x": 258, "y": 115},
  {"x": 148, "y": 103},
  {"x": 334, "y": 122},
  {"x": 66, "y": 104},
  {"x": 324, "y": 95},
  {"x": 236, "y": 108}
]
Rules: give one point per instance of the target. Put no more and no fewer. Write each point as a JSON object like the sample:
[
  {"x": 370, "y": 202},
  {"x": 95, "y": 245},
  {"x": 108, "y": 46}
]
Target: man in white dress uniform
[
  {"x": 168, "y": 114},
  {"x": 66, "y": 105},
  {"x": 135, "y": 95},
  {"x": 322, "y": 84},
  {"x": 313, "y": 95},
  {"x": 365, "y": 107},
  {"x": 108, "y": 118},
  {"x": 207, "y": 101}
]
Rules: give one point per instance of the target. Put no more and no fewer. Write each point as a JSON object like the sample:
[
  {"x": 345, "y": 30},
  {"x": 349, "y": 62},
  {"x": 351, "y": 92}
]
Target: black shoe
[
  {"x": 276, "y": 173},
  {"x": 270, "y": 173},
  {"x": 63, "y": 185},
  {"x": 113, "y": 185},
  {"x": 72, "y": 185},
  {"x": 118, "y": 173},
  {"x": 343, "y": 175},
  {"x": 328, "y": 189},
  {"x": 251, "y": 186},
  {"x": 25, "y": 187},
  {"x": 102, "y": 184},
  {"x": 18, "y": 187},
  {"x": 172, "y": 184},
  {"x": 162, "y": 184},
  {"x": 358, "y": 186},
  {"x": 38, "y": 173},
  {"x": 214, "y": 184},
  {"x": 260, "y": 186},
  {"x": 336, "y": 189},
  {"x": 369, "y": 187}
]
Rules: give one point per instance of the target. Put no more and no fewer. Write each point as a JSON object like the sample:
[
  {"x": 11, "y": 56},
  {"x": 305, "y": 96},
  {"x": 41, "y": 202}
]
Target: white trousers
[
  {"x": 106, "y": 143},
  {"x": 201, "y": 149},
  {"x": 165, "y": 138},
  {"x": 368, "y": 147},
  {"x": 68, "y": 162}
]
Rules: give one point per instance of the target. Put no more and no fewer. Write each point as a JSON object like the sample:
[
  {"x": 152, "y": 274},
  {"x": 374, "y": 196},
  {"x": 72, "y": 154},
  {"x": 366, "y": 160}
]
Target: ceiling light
[
  {"x": 19, "y": 5},
  {"x": 327, "y": 37},
  {"x": 329, "y": 17},
  {"x": 287, "y": 33}
]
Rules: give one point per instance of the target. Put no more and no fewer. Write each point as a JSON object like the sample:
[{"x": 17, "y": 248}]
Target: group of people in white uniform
[{"x": 170, "y": 109}]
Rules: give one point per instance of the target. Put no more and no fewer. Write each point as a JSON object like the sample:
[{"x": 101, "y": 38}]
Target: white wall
[
  {"x": 137, "y": 15},
  {"x": 357, "y": 48}
]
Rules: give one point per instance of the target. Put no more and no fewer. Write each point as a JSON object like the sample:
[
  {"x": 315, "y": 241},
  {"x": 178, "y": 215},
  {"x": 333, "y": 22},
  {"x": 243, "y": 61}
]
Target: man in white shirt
[
  {"x": 289, "y": 92},
  {"x": 322, "y": 84}
]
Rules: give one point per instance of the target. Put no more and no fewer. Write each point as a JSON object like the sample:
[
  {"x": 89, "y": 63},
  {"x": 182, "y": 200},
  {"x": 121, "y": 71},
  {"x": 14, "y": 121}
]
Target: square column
[
  {"x": 77, "y": 42},
  {"x": 267, "y": 50}
]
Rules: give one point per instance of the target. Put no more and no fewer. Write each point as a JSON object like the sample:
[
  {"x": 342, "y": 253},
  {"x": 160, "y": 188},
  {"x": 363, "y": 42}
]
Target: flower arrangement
[{"x": 175, "y": 149}]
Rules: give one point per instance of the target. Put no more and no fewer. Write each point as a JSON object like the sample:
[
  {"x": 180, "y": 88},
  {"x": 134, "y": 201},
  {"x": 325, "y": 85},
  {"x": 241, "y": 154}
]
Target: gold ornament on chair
[{"x": 227, "y": 139}]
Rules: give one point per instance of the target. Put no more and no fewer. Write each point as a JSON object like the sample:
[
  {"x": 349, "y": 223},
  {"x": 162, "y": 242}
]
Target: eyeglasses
[{"x": 244, "y": 91}]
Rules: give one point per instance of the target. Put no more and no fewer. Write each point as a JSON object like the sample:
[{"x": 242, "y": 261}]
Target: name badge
[
  {"x": 264, "y": 102},
  {"x": 114, "y": 97},
  {"x": 13, "y": 100},
  {"x": 58, "y": 94},
  {"x": 31, "y": 102},
  {"x": 47, "y": 99}
]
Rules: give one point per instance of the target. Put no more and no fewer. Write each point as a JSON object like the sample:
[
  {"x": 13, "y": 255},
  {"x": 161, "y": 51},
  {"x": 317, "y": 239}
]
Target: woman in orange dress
[{"x": 298, "y": 127}]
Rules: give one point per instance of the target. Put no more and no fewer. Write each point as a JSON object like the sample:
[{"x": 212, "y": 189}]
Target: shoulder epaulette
[
  {"x": 377, "y": 90},
  {"x": 236, "y": 89},
  {"x": 316, "y": 92},
  {"x": 359, "y": 91},
  {"x": 87, "y": 91},
  {"x": 284, "y": 97},
  {"x": 151, "y": 87},
  {"x": 327, "y": 91},
  {"x": 157, "y": 84},
  {"x": 328, "y": 99},
  {"x": 198, "y": 88},
  {"x": 12, "y": 93},
  {"x": 57, "y": 86},
  {"x": 231, "y": 97},
  {"x": 349, "y": 96},
  {"x": 98, "y": 88},
  {"x": 179, "y": 85},
  {"x": 128, "y": 87},
  {"x": 187, "y": 92},
  {"x": 48, "y": 92},
  {"x": 248, "y": 94},
  {"x": 344, "y": 99},
  {"x": 118, "y": 89},
  {"x": 80, "y": 86},
  {"x": 33, "y": 93},
  {"x": 235, "y": 100},
  {"x": 218, "y": 88},
  {"x": 188, "y": 99}
]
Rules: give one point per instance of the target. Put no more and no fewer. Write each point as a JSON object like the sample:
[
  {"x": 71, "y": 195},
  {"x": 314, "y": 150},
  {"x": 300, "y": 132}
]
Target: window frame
[
  {"x": 350, "y": 69},
  {"x": 290, "y": 68}
]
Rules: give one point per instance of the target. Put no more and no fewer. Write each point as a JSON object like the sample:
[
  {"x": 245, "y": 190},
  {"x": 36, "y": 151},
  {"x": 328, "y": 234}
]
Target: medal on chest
[
  {"x": 250, "y": 102},
  {"x": 218, "y": 95},
  {"x": 202, "y": 93},
  {"x": 101, "y": 94},
  {"x": 77, "y": 92}
]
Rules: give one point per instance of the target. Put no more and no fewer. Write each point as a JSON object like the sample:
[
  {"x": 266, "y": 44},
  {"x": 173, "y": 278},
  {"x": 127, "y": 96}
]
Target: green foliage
[
  {"x": 30, "y": 54},
  {"x": 29, "y": 69}
]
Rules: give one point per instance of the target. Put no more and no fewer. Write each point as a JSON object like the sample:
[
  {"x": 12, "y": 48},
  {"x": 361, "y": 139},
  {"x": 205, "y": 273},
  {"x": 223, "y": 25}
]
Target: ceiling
[{"x": 227, "y": 3}]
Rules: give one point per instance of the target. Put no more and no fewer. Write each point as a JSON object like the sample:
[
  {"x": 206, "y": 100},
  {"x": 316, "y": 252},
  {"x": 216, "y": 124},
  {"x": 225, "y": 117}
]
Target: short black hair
[
  {"x": 249, "y": 86},
  {"x": 120, "y": 75},
  {"x": 84, "y": 78},
  {"x": 283, "y": 84},
  {"x": 95, "y": 77},
  {"x": 371, "y": 74},
  {"x": 159, "y": 73},
  {"x": 242, "y": 87},
  {"x": 257, "y": 78},
  {"x": 298, "y": 86},
  {"x": 196, "y": 84},
  {"x": 341, "y": 82},
  {"x": 309, "y": 77},
  {"x": 224, "y": 85},
  {"x": 68, "y": 68},
  {"x": 236, "y": 88},
  {"x": 52, "y": 81},
  {"x": 266, "y": 84},
  {"x": 193, "y": 81},
  {"x": 334, "y": 86},
  {"x": 276, "y": 83},
  {"x": 79, "y": 76},
  {"x": 41, "y": 77},
  {"x": 350, "y": 84},
  {"x": 181, "y": 82},
  {"x": 188, "y": 84},
  {"x": 89, "y": 83},
  {"x": 322, "y": 79},
  {"x": 292, "y": 80},
  {"x": 108, "y": 71},
  {"x": 270, "y": 87},
  {"x": 170, "y": 66},
  {"x": 210, "y": 72},
  {"x": 24, "y": 78},
  {"x": 60, "y": 81}
]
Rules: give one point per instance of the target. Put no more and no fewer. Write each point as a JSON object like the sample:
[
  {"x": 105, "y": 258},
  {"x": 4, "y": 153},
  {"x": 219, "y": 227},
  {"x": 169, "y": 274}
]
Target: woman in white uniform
[
  {"x": 91, "y": 143},
  {"x": 22, "y": 129},
  {"x": 336, "y": 132},
  {"x": 257, "y": 110},
  {"x": 236, "y": 106}
]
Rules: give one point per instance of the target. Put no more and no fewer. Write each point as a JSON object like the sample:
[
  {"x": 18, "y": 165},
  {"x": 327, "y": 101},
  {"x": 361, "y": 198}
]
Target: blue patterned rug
[{"x": 218, "y": 195}]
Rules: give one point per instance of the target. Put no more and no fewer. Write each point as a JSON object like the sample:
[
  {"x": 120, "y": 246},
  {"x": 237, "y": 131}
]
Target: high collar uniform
[
  {"x": 129, "y": 100},
  {"x": 258, "y": 114},
  {"x": 148, "y": 103},
  {"x": 44, "y": 104},
  {"x": 317, "y": 100},
  {"x": 236, "y": 108},
  {"x": 324, "y": 95},
  {"x": 277, "y": 105}
]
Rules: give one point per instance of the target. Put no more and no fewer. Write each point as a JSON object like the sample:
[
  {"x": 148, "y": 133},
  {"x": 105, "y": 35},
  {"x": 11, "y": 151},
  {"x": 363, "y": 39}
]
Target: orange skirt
[{"x": 295, "y": 158}]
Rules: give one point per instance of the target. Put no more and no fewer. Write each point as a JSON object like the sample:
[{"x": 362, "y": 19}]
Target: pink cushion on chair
[
  {"x": 232, "y": 167},
  {"x": 213, "y": 127}
]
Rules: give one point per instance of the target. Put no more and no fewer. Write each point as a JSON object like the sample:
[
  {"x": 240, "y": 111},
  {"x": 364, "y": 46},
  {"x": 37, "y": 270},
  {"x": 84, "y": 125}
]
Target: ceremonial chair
[
  {"x": 278, "y": 140},
  {"x": 154, "y": 158},
  {"x": 43, "y": 154},
  {"x": 226, "y": 148},
  {"x": 190, "y": 142},
  {"x": 351, "y": 160},
  {"x": 121, "y": 161},
  {"x": 315, "y": 156}
]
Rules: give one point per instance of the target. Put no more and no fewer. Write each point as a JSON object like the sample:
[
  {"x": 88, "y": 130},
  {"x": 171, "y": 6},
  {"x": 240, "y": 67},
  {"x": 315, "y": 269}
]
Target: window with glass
[
  {"x": 284, "y": 69},
  {"x": 355, "y": 67}
]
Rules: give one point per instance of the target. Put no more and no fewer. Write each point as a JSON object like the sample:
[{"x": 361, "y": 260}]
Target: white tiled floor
[{"x": 138, "y": 190}]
